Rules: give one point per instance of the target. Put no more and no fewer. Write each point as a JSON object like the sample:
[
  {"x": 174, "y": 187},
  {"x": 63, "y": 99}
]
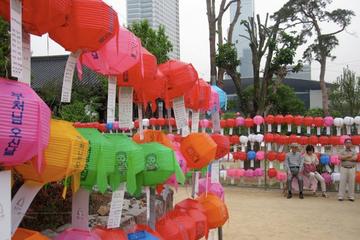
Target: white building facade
[
  {"x": 242, "y": 44},
  {"x": 158, "y": 12}
]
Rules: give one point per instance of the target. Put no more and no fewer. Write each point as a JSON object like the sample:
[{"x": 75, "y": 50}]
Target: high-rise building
[
  {"x": 242, "y": 44},
  {"x": 158, "y": 12}
]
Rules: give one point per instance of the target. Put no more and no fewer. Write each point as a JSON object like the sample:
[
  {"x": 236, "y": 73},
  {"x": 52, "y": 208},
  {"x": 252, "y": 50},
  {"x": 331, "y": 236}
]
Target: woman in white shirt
[{"x": 310, "y": 163}]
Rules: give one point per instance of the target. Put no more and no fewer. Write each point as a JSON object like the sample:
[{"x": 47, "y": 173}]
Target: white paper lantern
[
  {"x": 243, "y": 140},
  {"x": 335, "y": 177},
  {"x": 252, "y": 139},
  {"x": 348, "y": 121},
  {"x": 338, "y": 123},
  {"x": 146, "y": 123},
  {"x": 357, "y": 123}
]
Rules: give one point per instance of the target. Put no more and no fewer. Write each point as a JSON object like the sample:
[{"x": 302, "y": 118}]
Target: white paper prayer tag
[
  {"x": 298, "y": 129},
  {"x": 271, "y": 165},
  {"x": 195, "y": 121},
  {"x": 215, "y": 118},
  {"x": 5, "y": 205},
  {"x": 252, "y": 163},
  {"x": 232, "y": 181},
  {"x": 222, "y": 131},
  {"x": 196, "y": 187},
  {"x": 215, "y": 171},
  {"x": 180, "y": 112},
  {"x": 289, "y": 127},
  {"x": 125, "y": 107},
  {"x": 80, "y": 209},
  {"x": 281, "y": 148},
  {"x": 269, "y": 128},
  {"x": 308, "y": 130},
  {"x": 16, "y": 38},
  {"x": 241, "y": 164},
  {"x": 147, "y": 191},
  {"x": 327, "y": 130},
  {"x": 318, "y": 131},
  {"x": 213, "y": 235},
  {"x": 117, "y": 202},
  {"x": 111, "y": 101},
  {"x": 68, "y": 77},
  {"x": 258, "y": 128},
  {"x": 21, "y": 202},
  {"x": 338, "y": 131},
  {"x": 161, "y": 109},
  {"x": 141, "y": 129},
  {"x": 281, "y": 166},
  {"x": 278, "y": 128},
  {"x": 26, "y": 63}
]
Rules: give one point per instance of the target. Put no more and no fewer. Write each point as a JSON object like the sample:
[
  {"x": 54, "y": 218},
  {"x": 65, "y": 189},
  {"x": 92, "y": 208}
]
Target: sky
[{"x": 194, "y": 43}]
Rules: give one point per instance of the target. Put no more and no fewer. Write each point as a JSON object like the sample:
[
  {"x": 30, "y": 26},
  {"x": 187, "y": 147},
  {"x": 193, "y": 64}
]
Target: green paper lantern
[
  {"x": 129, "y": 162},
  {"x": 101, "y": 160}
]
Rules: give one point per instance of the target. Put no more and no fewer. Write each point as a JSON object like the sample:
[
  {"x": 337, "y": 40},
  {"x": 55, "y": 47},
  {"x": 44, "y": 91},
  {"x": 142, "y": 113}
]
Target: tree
[
  {"x": 4, "y": 48},
  {"x": 155, "y": 41},
  {"x": 312, "y": 15},
  {"x": 345, "y": 94},
  {"x": 215, "y": 26},
  {"x": 277, "y": 47}
]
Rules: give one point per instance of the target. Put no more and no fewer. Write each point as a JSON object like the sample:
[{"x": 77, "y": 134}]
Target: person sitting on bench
[{"x": 294, "y": 165}]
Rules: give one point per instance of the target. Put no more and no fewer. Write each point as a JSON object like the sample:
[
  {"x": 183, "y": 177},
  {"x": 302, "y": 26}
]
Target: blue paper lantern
[
  {"x": 222, "y": 96},
  {"x": 251, "y": 155},
  {"x": 324, "y": 159}
]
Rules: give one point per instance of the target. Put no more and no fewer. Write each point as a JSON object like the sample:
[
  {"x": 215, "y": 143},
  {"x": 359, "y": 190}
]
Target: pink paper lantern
[
  {"x": 76, "y": 234},
  {"x": 204, "y": 123},
  {"x": 335, "y": 160},
  {"x": 230, "y": 172},
  {"x": 260, "y": 155},
  {"x": 258, "y": 172},
  {"x": 239, "y": 121},
  {"x": 25, "y": 124},
  {"x": 249, "y": 173},
  {"x": 215, "y": 188},
  {"x": 328, "y": 121},
  {"x": 240, "y": 172},
  {"x": 258, "y": 120},
  {"x": 281, "y": 176},
  {"x": 327, "y": 178},
  {"x": 343, "y": 138}
]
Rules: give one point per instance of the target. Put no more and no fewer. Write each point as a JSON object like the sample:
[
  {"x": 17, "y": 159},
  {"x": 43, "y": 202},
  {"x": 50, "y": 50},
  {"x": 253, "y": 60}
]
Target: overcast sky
[{"x": 194, "y": 44}]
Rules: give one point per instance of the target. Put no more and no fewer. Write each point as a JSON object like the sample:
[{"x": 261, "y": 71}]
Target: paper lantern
[
  {"x": 269, "y": 120},
  {"x": 200, "y": 222},
  {"x": 223, "y": 145},
  {"x": 279, "y": 119},
  {"x": 169, "y": 229},
  {"x": 283, "y": 140},
  {"x": 269, "y": 137},
  {"x": 314, "y": 140},
  {"x": 281, "y": 156},
  {"x": 357, "y": 123},
  {"x": 328, "y": 122},
  {"x": 289, "y": 119},
  {"x": 319, "y": 123},
  {"x": 234, "y": 140},
  {"x": 335, "y": 160},
  {"x": 198, "y": 98},
  {"x": 343, "y": 138},
  {"x": 240, "y": 156},
  {"x": 324, "y": 159},
  {"x": 222, "y": 96},
  {"x": 109, "y": 234},
  {"x": 25, "y": 124},
  {"x": 272, "y": 172},
  {"x": 223, "y": 123},
  {"x": 129, "y": 162},
  {"x": 215, "y": 188},
  {"x": 204, "y": 123},
  {"x": 258, "y": 120},
  {"x": 338, "y": 123},
  {"x": 357, "y": 178},
  {"x": 144, "y": 232},
  {"x": 271, "y": 156},
  {"x": 101, "y": 160},
  {"x": 230, "y": 122},
  {"x": 335, "y": 140},
  {"x": 303, "y": 140},
  {"x": 181, "y": 77},
  {"x": 258, "y": 172},
  {"x": 293, "y": 138},
  {"x": 244, "y": 139},
  {"x": 281, "y": 176},
  {"x": 65, "y": 156},
  {"x": 41, "y": 16},
  {"x": 160, "y": 164},
  {"x": 348, "y": 121},
  {"x": 249, "y": 173},
  {"x": 251, "y": 155},
  {"x": 239, "y": 121},
  {"x": 327, "y": 178},
  {"x": 259, "y": 138},
  {"x": 308, "y": 122},
  {"x": 75, "y": 234},
  {"x": 90, "y": 25},
  {"x": 355, "y": 140},
  {"x": 160, "y": 122},
  {"x": 184, "y": 221},
  {"x": 324, "y": 140},
  {"x": 154, "y": 136},
  {"x": 231, "y": 172},
  {"x": 215, "y": 210},
  {"x": 299, "y": 121},
  {"x": 240, "y": 172},
  {"x": 249, "y": 123},
  {"x": 260, "y": 155},
  {"x": 26, "y": 234},
  {"x": 198, "y": 149}
]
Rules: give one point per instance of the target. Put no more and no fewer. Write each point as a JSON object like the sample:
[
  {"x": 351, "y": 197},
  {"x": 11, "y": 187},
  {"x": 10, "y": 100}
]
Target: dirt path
[{"x": 267, "y": 215}]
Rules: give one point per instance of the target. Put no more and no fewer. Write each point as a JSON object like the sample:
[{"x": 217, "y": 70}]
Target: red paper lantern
[
  {"x": 276, "y": 138},
  {"x": 314, "y": 140},
  {"x": 299, "y": 120},
  {"x": 335, "y": 140},
  {"x": 172, "y": 122},
  {"x": 355, "y": 140},
  {"x": 230, "y": 122},
  {"x": 281, "y": 156},
  {"x": 289, "y": 119},
  {"x": 242, "y": 156},
  {"x": 272, "y": 172},
  {"x": 160, "y": 122},
  {"x": 293, "y": 138},
  {"x": 271, "y": 155},
  {"x": 319, "y": 122},
  {"x": 269, "y": 137},
  {"x": 249, "y": 123},
  {"x": 282, "y": 140},
  {"x": 269, "y": 119},
  {"x": 223, "y": 123},
  {"x": 236, "y": 156},
  {"x": 279, "y": 119},
  {"x": 234, "y": 139},
  {"x": 308, "y": 121},
  {"x": 324, "y": 140},
  {"x": 152, "y": 121},
  {"x": 198, "y": 98},
  {"x": 303, "y": 140},
  {"x": 223, "y": 145},
  {"x": 136, "y": 123}
]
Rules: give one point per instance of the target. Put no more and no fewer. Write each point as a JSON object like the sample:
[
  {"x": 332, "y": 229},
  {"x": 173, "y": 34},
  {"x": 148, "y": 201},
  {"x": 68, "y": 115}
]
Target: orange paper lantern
[
  {"x": 223, "y": 145},
  {"x": 215, "y": 210}
]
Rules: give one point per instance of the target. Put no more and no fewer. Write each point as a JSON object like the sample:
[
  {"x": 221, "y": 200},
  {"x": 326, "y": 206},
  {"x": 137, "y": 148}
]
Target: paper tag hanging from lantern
[
  {"x": 80, "y": 209},
  {"x": 16, "y": 38},
  {"x": 180, "y": 115},
  {"x": 116, "y": 207},
  {"x": 111, "y": 101},
  {"x": 26, "y": 62},
  {"x": 21, "y": 202},
  {"x": 357, "y": 149},
  {"x": 161, "y": 109},
  {"x": 195, "y": 121},
  {"x": 271, "y": 165},
  {"x": 141, "y": 129},
  {"x": 298, "y": 129},
  {"x": 196, "y": 183},
  {"x": 215, "y": 118},
  {"x": 5, "y": 205},
  {"x": 68, "y": 76},
  {"x": 215, "y": 171},
  {"x": 125, "y": 107}
]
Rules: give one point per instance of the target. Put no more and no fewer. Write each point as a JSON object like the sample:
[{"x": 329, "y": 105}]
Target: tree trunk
[
  {"x": 324, "y": 90},
  {"x": 210, "y": 4}
]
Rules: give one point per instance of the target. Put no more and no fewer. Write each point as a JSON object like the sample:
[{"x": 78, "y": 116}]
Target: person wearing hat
[
  {"x": 347, "y": 171},
  {"x": 294, "y": 165}
]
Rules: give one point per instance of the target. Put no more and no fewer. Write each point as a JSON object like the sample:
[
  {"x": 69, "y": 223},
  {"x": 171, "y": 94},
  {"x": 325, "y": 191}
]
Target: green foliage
[
  {"x": 155, "y": 41},
  {"x": 345, "y": 94},
  {"x": 4, "y": 48},
  {"x": 318, "y": 112},
  {"x": 226, "y": 57}
]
